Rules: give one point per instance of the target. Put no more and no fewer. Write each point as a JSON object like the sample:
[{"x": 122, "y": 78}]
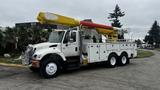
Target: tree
[
  {"x": 154, "y": 35},
  {"x": 114, "y": 17},
  {"x": 138, "y": 42},
  {"x": 148, "y": 40},
  {"x": 1, "y": 44},
  {"x": 15, "y": 39},
  {"x": 9, "y": 40},
  {"x": 1, "y": 36}
]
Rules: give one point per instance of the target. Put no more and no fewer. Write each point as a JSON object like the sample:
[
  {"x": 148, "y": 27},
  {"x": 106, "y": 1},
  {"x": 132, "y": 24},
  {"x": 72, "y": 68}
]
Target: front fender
[{"x": 38, "y": 55}]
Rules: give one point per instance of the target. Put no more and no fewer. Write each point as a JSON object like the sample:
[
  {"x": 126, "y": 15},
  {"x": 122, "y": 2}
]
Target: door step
[{"x": 73, "y": 64}]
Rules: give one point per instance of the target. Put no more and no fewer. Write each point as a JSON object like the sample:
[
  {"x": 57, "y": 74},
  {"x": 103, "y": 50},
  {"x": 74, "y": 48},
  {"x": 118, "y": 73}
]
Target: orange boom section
[{"x": 94, "y": 25}]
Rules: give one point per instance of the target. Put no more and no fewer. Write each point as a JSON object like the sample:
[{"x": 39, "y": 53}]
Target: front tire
[{"x": 49, "y": 68}]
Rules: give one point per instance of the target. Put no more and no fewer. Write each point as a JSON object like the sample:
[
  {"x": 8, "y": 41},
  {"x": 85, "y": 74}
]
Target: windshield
[{"x": 56, "y": 36}]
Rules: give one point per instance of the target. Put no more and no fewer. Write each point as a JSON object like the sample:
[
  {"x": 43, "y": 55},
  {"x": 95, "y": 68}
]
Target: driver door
[{"x": 70, "y": 44}]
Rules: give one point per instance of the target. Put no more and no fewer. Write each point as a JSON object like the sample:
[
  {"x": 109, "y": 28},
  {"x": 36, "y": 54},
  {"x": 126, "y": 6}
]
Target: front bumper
[
  {"x": 35, "y": 63},
  {"x": 31, "y": 62}
]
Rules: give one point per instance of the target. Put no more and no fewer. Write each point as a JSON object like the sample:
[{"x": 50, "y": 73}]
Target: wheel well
[
  {"x": 113, "y": 53},
  {"x": 61, "y": 62},
  {"x": 124, "y": 52}
]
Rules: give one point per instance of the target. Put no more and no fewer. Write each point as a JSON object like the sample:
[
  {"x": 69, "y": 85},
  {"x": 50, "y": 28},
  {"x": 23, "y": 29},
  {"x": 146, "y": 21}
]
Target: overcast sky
[{"x": 140, "y": 14}]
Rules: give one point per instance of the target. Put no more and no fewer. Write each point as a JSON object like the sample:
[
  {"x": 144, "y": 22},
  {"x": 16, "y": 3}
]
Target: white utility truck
[{"x": 76, "y": 47}]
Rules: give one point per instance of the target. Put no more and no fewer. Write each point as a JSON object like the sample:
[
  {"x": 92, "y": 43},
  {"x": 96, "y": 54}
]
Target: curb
[{"x": 13, "y": 65}]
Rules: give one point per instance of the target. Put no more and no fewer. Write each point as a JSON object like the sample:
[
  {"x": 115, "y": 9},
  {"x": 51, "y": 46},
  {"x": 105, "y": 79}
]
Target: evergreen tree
[
  {"x": 114, "y": 17},
  {"x": 154, "y": 35},
  {"x": 138, "y": 42}
]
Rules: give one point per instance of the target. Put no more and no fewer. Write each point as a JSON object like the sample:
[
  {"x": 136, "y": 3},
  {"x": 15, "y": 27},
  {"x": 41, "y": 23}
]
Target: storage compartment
[{"x": 93, "y": 52}]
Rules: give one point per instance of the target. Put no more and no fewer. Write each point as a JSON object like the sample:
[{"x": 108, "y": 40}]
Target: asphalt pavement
[{"x": 140, "y": 74}]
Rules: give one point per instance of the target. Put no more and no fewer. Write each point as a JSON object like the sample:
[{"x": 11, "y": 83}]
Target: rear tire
[
  {"x": 112, "y": 61},
  {"x": 50, "y": 68},
  {"x": 123, "y": 59}
]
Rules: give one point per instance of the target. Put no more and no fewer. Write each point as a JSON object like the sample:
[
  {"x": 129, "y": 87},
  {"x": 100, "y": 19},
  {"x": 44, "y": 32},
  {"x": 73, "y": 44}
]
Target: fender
[{"x": 39, "y": 54}]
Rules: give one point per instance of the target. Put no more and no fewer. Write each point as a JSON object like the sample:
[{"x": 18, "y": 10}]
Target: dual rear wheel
[
  {"x": 123, "y": 59},
  {"x": 114, "y": 60}
]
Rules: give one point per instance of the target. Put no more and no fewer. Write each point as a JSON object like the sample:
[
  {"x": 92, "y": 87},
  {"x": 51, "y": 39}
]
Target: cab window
[
  {"x": 66, "y": 39},
  {"x": 73, "y": 36}
]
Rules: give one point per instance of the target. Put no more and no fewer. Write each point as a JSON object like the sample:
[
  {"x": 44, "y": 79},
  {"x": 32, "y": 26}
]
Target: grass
[
  {"x": 144, "y": 54},
  {"x": 10, "y": 60}
]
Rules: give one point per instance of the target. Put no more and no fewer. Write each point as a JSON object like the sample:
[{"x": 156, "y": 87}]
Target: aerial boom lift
[{"x": 51, "y": 18}]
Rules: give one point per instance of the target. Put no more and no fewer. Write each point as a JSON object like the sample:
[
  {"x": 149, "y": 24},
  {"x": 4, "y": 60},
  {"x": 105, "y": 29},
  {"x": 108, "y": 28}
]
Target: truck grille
[{"x": 27, "y": 57}]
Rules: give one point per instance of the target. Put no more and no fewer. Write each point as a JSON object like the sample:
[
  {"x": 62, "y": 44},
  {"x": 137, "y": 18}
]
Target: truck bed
[{"x": 100, "y": 51}]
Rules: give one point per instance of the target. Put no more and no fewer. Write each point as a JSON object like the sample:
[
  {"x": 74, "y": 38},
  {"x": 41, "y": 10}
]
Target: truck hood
[{"x": 44, "y": 45}]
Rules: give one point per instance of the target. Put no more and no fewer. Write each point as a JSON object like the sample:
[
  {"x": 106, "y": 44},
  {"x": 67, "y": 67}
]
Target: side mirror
[{"x": 71, "y": 40}]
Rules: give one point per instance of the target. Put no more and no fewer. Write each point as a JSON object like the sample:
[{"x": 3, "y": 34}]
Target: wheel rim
[
  {"x": 113, "y": 61},
  {"x": 124, "y": 60},
  {"x": 51, "y": 68}
]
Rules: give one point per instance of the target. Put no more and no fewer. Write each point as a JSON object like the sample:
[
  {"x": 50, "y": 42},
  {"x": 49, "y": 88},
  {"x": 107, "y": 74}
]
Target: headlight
[
  {"x": 37, "y": 56},
  {"x": 34, "y": 56}
]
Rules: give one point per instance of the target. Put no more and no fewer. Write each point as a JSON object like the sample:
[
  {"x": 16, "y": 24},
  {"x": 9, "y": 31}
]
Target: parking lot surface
[{"x": 140, "y": 74}]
